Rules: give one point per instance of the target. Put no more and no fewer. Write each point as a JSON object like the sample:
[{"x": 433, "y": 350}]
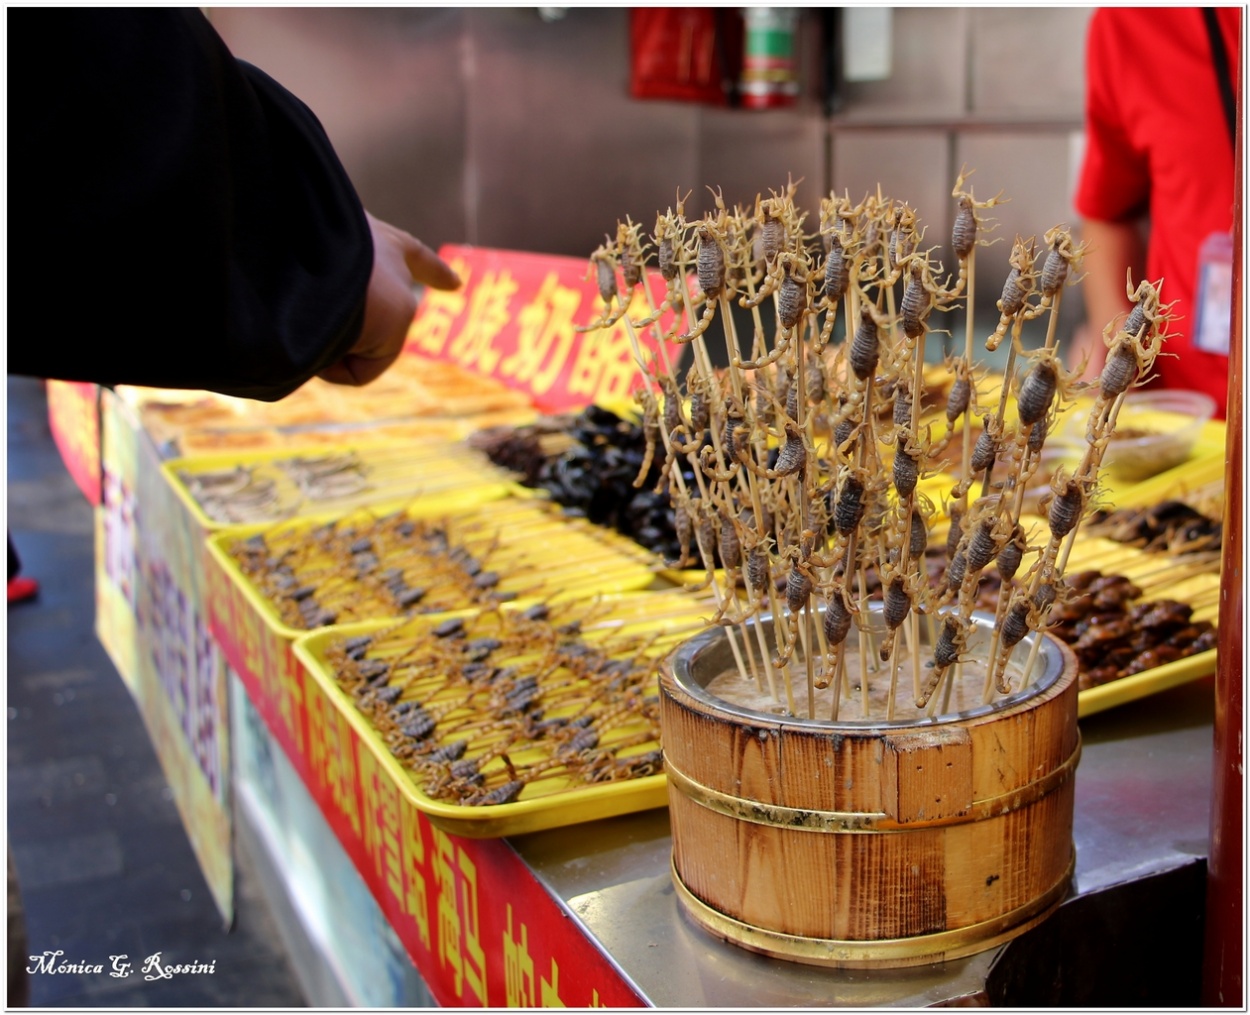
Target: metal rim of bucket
[
  {"x": 909, "y": 951},
  {"x": 685, "y": 656},
  {"x": 848, "y": 822}
]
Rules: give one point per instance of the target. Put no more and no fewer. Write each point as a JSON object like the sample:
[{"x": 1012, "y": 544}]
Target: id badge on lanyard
[{"x": 1214, "y": 297}]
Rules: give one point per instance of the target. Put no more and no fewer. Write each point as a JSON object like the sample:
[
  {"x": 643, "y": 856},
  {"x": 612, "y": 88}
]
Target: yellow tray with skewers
[
  {"x": 270, "y": 486},
  {"x": 546, "y": 724},
  {"x": 1195, "y": 583},
  {"x": 512, "y": 548}
]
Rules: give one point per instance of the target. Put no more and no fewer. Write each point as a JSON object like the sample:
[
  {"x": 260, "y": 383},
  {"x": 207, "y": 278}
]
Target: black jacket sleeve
[{"x": 176, "y": 217}]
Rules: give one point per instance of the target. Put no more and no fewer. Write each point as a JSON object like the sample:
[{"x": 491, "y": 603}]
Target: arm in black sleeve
[{"x": 176, "y": 217}]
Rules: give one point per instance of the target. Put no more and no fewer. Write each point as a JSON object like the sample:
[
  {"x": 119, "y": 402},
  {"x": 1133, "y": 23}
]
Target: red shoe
[{"x": 21, "y": 589}]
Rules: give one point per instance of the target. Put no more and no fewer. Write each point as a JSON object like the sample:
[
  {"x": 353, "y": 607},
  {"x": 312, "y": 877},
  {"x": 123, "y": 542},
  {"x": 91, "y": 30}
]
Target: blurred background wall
[{"x": 515, "y": 127}]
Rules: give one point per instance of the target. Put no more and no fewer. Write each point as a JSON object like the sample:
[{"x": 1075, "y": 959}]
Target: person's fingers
[
  {"x": 399, "y": 261},
  {"x": 427, "y": 267}
]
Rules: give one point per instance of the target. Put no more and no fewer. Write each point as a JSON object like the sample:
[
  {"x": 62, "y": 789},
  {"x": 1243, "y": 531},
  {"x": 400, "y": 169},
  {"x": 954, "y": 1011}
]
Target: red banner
[
  {"x": 75, "y": 423},
  {"x": 516, "y": 319},
  {"x": 476, "y": 923}
]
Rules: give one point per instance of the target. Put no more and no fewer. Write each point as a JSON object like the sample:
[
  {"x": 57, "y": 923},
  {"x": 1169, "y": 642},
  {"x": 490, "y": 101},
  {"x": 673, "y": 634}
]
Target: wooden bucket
[{"x": 863, "y": 844}]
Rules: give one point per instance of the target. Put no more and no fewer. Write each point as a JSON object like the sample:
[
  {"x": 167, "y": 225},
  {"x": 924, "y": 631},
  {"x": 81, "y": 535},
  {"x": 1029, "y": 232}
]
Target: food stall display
[
  {"x": 788, "y": 519},
  {"x": 869, "y": 533}
]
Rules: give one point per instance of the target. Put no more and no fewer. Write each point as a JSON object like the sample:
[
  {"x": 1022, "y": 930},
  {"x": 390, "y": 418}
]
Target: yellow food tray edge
[
  {"x": 468, "y": 496},
  {"x": 268, "y": 613},
  {"x": 592, "y": 802},
  {"x": 1142, "y": 685}
]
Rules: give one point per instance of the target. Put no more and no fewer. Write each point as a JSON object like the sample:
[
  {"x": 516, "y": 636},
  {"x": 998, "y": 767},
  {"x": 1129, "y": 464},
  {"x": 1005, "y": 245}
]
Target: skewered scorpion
[
  {"x": 1061, "y": 259},
  {"x": 967, "y": 223},
  {"x": 1017, "y": 288},
  {"x": 1132, "y": 350}
]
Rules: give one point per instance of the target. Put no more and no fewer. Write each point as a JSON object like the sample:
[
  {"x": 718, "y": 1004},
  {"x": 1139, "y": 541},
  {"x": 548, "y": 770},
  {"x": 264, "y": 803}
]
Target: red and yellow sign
[
  {"x": 476, "y": 923},
  {"x": 151, "y": 618},
  {"x": 516, "y": 319},
  {"x": 74, "y": 419}
]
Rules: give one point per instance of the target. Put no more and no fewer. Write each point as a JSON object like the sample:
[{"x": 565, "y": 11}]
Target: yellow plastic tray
[
  {"x": 1142, "y": 685},
  {"x": 1206, "y": 455},
  {"x": 1201, "y": 470},
  {"x": 1116, "y": 558},
  {"x": 541, "y": 554},
  {"x": 668, "y": 616},
  {"x": 446, "y": 477}
]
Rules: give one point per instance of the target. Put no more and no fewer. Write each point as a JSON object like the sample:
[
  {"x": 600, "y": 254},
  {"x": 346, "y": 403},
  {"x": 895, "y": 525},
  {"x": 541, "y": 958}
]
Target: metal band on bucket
[
  {"x": 803, "y": 819},
  {"x": 946, "y": 944}
]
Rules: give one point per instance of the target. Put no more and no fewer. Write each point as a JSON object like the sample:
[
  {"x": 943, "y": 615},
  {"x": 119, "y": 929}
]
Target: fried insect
[
  {"x": 792, "y": 294},
  {"x": 983, "y": 545},
  {"x": 986, "y": 449},
  {"x": 1142, "y": 335},
  {"x": 603, "y": 262},
  {"x": 1120, "y": 369},
  {"x": 1015, "y": 624},
  {"x": 730, "y": 545},
  {"x": 906, "y": 469},
  {"x": 1017, "y": 288},
  {"x": 798, "y": 587},
  {"x": 793, "y": 457},
  {"x": 651, "y": 433},
  {"x": 700, "y": 401},
  {"x": 1012, "y": 554},
  {"x": 850, "y": 503},
  {"x": 710, "y": 270},
  {"x": 964, "y": 228},
  {"x": 837, "y": 270},
  {"x": 917, "y": 299},
  {"x": 866, "y": 346},
  {"x": 772, "y": 234},
  {"x": 710, "y": 265},
  {"x": 952, "y": 640},
  {"x": 918, "y": 534},
  {"x": 759, "y": 569},
  {"x": 1037, "y": 392},
  {"x": 837, "y": 620},
  {"x": 1067, "y": 501},
  {"x": 960, "y": 394}
]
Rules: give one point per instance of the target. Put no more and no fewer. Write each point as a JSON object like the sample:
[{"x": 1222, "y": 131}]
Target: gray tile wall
[{"x": 493, "y": 126}]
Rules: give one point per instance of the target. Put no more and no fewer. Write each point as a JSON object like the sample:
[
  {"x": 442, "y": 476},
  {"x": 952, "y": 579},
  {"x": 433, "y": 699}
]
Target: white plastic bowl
[{"x": 1155, "y": 431}]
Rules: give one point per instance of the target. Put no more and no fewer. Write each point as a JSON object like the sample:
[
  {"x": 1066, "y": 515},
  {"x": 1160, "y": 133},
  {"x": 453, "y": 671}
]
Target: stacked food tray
[
  {"x": 517, "y": 719},
  {"x": 500, "y": 636},
  {"x": 393, "y": 561},
  {"x": 1165, "y": 632},
  {"x": 270, "y": 486},
  {"x": 417, "y": 400}
]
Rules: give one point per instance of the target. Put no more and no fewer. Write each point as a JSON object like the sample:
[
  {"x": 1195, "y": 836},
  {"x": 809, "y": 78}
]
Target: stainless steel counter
[{"x": 1142, "y": 811}]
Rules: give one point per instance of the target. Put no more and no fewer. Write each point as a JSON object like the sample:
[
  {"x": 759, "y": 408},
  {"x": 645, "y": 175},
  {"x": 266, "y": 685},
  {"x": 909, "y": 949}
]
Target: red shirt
[{"x": 1157, "y": 142}]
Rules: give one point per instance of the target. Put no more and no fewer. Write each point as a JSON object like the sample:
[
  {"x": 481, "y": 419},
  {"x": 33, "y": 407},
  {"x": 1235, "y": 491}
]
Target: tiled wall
[{"x": 494, "y": 126}]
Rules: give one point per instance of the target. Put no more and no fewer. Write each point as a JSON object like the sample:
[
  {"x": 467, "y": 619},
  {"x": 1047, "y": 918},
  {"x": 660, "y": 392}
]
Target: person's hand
[{"x": 399, "y": 261}]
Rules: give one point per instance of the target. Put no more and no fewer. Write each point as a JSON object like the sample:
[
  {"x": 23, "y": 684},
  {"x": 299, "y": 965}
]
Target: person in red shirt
[{"x": 1161, "y": 87}]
